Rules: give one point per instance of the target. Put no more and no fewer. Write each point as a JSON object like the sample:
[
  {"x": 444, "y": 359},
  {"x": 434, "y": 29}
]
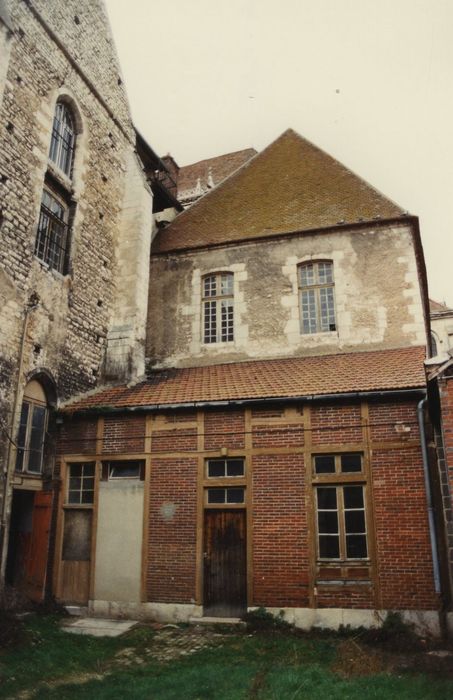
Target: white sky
[{"x": 369, "y": 81}]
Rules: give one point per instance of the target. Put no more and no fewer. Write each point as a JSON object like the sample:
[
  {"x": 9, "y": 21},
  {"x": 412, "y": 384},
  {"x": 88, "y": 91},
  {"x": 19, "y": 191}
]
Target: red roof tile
[
  {"x": 303, "y": 376},
  {"x": 219, "y": 168},
  {"x": 290, "y": 186}
]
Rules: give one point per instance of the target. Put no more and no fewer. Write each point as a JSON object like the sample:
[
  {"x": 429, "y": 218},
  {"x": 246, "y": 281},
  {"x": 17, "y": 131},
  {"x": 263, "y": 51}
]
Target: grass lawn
[{"x": 186, "y": 663}]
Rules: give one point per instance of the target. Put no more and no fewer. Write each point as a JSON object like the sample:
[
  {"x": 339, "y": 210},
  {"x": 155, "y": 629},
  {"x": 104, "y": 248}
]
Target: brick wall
[
  {"x": 445, "y": 462},
  {"x": 282, "y": 543}
]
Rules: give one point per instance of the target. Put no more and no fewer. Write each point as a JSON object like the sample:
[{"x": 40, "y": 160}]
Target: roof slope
[
  {"x": 303, "y": 376},
  {"x": 218, "y": 168},
  {"x": 438, "y": 307},
  {"x": 290, "y": 186}
]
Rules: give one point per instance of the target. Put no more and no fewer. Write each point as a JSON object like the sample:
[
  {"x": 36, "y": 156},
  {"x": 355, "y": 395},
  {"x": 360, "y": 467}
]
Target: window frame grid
[
  {"x": 51, "y": 227},
  {"x": 24, "y": 451},
  {"x": 217, "y": 302},
  {"x": 68, "y": 490},
  {"x": 63, "y": 138},
  {"x": 341, "y": 522},
  {"x": 310, "y": 294}
]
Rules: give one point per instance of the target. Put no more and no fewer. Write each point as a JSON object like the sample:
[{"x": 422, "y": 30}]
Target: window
[
  {"x": 81, "y": 484},
  {"x": 217, "y": 308},
  {"x": 340, "y": 507},
  {"x": 225, "y": 468},
  {"x": 316, "y": 294},
  {"x": 63, "y": 139},
  {"x": 227, "y": 495},
  {"x": 52, "y": 236},
  {"x": 32, "y": 429},
  {"x": 123, "y": 469}
]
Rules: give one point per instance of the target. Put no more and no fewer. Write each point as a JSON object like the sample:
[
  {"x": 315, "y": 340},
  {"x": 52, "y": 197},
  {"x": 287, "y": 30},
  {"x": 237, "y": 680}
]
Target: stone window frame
[
  {"x": 339, "y": 480},
  {"x": 61, "y": 185},
  {"x": 212, "y": 307},
  {"x": 317, "y": 287}
]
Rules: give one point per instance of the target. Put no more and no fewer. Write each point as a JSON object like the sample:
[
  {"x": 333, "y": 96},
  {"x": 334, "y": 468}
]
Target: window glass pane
[
  {"x": 216, "y": 495},
  {"x": 210, "y": 322},
  {"x": 353, "y": 497},
  {"x": 355, "y": 521},
  {"x": 87, "y": 497},
  {"x": 123, "y": 470},
  {"x": 307, "y": 275},
  {"x": 74, "y": 497},
  {"x": 76, "y": 469},
  {"x": 325, "y": 273},
  {"x": 226, "y": 320},
  {"x": 235, "y": 495},
  {"x": 75, "y": 483},
  {"x": 327, "y": 311},
  {"x": 88, "y": 469},
  {"x": 328, "y": 521},
  {"x": 329, "y": 547},
  {"x": 327, "y": 498},
  {"x": 216, "y": 467},
  {"x": 356, "y": 546},
  {"x": 63, "y": 137},
  {"x": 325, "y": 464},
  {"x": 52, "y": 235},
  {"x": 351, "y": 463},
  {"x": 226, "y": 285},
  {"x": 235, "y": 467},
  {"x": 308, "y": 305},
  {"x": 21, "y": 435}
]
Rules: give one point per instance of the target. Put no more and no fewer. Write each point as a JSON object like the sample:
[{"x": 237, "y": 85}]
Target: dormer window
[
  {"x": 218, "y": 308},
  {"x": 316, "y": 295},
  {"x": 63, "y": 139}
]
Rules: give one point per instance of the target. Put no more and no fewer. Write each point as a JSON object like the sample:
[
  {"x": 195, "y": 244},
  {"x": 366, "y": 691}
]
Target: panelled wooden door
[
  {"x": 36, "y": 563},
  {"x": 225, "y": 563}
]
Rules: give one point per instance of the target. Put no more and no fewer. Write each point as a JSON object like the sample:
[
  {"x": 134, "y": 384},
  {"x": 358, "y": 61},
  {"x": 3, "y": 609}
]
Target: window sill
[{"x": 318, "y": 334}]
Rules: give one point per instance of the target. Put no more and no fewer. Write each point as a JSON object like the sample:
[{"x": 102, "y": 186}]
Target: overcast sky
[{"x": 369, "y": 81}]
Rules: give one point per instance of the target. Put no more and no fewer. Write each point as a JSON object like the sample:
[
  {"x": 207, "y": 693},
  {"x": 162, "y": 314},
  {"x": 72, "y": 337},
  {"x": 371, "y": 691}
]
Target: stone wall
[{"x": 377, "y": 297}]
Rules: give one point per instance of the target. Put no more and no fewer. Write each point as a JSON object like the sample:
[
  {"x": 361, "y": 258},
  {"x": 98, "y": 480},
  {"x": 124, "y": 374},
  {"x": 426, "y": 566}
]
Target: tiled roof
[
  {"x": 290, "y": 186},
  {"x": 303, "y": 376},
  {"x": 438, "y": 307},
  {"x": 218, "y": 168}
]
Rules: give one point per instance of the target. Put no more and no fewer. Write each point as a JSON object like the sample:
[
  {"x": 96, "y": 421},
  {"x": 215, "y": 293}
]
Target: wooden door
[
  {"x": 225, "y": 579},
  {"x": 36, "y": 562}
]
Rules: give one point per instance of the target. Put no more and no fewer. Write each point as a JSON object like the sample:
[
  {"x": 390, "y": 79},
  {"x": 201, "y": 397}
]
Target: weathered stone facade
[
  {"x": 377, "y": 297},
  {"x": 56, "y": 324}
]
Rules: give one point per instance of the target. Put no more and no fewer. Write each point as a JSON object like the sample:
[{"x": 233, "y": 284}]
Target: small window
[
  {"x": 81, "y": 483},
  {"x": 127, "y": 469},
  {"x": 52, "y": 236},
  {"x": 32, "y": 429},
  {"x": 338, "y": 464},
  {"x": 341, "y": 522},
  {"x": 218, "y": 308},
  {"x": 232, "y": 495},
  {"x": 61, "y": 151},
  {"x": 316, "y": 297},
  {"x": 218, "y": 468}
]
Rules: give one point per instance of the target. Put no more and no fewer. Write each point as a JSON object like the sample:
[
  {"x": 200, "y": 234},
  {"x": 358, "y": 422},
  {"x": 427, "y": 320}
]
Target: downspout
[
  {"x": 32, "y": 304},
  {"x": 429, "y": 497}
]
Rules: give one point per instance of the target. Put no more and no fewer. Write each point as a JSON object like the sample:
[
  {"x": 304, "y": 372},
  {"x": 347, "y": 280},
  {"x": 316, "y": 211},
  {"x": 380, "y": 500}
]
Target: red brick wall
[
  {"x": 124, "y": 434},
  {"x": 174, "y": 440},
  {"x": 333, "y": 424},
  {"x": 78, "y": 436},
  {"x": 402, "y": 535},
  {"x": 172, "y": 536},
  {"x": 393, "y": 422},
  {"x": 280, "y": 538},
  {"x": 224, "y": 429}
]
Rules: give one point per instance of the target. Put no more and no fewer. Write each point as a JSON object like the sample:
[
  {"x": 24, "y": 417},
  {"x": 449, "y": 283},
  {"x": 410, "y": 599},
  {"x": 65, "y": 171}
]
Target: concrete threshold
[
  {"x": 99, "y": 627},
  {"x": 217, "y": 621}
]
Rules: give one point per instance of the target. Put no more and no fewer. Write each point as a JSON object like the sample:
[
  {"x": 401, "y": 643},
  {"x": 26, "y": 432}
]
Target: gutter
[
  {"x": 429, "y": 498},
  {"x": 235, "y": 403}
]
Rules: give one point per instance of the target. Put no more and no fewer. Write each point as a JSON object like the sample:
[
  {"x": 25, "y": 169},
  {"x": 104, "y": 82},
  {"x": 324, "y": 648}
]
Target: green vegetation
[{"x": 174, "y": 663}]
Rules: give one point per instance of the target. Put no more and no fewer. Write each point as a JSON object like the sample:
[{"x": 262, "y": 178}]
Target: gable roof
[
  {"x": 290, "y": 186},
  {"x": 436, "y": 307},
  {"x": 382, "y": 370},
  {"x": 198, "y": 176}
]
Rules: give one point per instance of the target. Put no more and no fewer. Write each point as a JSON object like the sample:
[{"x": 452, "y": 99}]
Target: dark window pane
[
  {"x": 87, "y": 497},
  {"x": 121, "y": 470},
  {"x": 74, "y": 497},
  {"x": 88, "y": 469},
  {"x": 355, "y": 520},
  {"x": 329, "y": 547},
  {"x": 34, "y": 461},
  {"x": 353, "y": 497},
  {"x": 235, "y": 467},
  {"x": 328, "y": 521},
  {"x": 88, "y": 483},
  {"x": 325, "y": 464},
  {"x": 75, "y": 483},
  {"x": 351, "y": 463},
  {"x": 21, "y": 435},
  {"x": 235, "y": 495},
  {"x": 327, "y": 498},
  {"x": 216, "y": 467},
  {"x": 76, "y": 470},
  {"x": 216, "y": 495},
  {"x": 356, "y": 546}
]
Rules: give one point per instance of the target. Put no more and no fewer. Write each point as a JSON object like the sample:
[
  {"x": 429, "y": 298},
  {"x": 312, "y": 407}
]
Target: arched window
[
  {"x": 32, "y": 429},
  {"x": 218, "y": 307},
  {"x": 63, "y": 139},
  {"x": 316, "y": 295}
]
